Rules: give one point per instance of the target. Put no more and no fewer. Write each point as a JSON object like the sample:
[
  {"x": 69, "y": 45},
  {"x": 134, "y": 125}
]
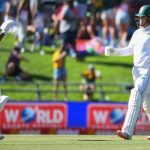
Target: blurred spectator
[
  {"x": 13, "y": 65},
  {"x": 108, "y": 27},
  {"x": 7, "y": 10},
  {"x": 81, "y": 8},
  {"x": 88, "y": 84},
  {"x": 59, "y": 72},
  {"x": 33, "y": 4},
  {"x": 66, "y": 18},
  {"x": 122, "y": 23},
  {"x": 11, "y": 9},
  {"x": 23, "y": 18},
  {"x": 2, "y": 10},
  {"x": 87, "y": 34},
  {"x": 91, "y": 7},
  {"x": 55, "y": 17},
  {"x": 87, "y": 28},
  {"x": 38, "y": 29}
]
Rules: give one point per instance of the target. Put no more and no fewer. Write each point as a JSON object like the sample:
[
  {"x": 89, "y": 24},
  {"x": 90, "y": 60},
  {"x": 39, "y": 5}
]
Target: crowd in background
[
  {"x": 101, "y": 22},
  {"x": 111, "y": 21}
]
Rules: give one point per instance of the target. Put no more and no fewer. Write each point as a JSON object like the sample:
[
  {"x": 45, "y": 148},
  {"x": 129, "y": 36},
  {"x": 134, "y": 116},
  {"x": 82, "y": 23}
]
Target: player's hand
[
  {"x": 6, "y": 25},
  {"x": 109, "y": 51}
]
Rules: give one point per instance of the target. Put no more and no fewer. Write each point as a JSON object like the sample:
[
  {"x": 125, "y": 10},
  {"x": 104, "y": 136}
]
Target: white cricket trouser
[{"x": 140, "y": 94}]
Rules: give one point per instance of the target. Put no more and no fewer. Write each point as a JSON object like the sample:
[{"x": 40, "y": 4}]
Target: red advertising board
[
  {"x": 66, "y": 118},
  {"x": 111, "y": 116},
  {"x": 29, "y": 115}
]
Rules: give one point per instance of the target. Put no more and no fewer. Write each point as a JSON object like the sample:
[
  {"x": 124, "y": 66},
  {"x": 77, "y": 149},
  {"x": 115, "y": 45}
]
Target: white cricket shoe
[
  {"x": 1, "y": 137},
  {"x": 3, "y": 100},
  {"x": 6, "y": 25}
]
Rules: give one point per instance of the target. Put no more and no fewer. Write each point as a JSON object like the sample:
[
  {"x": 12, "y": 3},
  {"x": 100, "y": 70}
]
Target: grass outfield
[
  {"x": 73, "y": 142},
  {"x": 114, "y": 70}
]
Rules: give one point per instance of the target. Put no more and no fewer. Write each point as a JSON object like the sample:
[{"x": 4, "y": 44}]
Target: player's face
[{"x": 143, "y": 21}]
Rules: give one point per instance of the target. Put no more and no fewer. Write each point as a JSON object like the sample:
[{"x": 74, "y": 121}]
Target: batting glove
[
  {"x": 6, "y": 25},
  {"x": 109, "y": 51}
]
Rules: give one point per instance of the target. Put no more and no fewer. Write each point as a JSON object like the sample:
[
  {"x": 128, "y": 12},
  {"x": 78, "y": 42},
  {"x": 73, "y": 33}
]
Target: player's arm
[
  {"x": 121, "y": 51},
  {"x": 63, "y": 54},
  {"x": 118, "y": 51},
  {"x": 5, "y": 27}
]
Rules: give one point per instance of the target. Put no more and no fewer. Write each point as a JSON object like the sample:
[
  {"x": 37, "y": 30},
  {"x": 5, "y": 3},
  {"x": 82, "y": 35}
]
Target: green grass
[
  {"x": 72, "y": 142},
  {"x": 114, "y": 70}
]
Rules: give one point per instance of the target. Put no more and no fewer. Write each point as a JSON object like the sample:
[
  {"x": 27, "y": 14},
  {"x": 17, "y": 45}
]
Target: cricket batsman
[
  {"x": 139, "y": 47},
  {"x": 4, "y": 29}
]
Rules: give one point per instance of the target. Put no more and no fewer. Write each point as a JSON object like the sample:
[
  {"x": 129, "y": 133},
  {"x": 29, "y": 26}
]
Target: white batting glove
[
  {"x": 6, "y": 25},
  {"x": 109, "y": 51}
]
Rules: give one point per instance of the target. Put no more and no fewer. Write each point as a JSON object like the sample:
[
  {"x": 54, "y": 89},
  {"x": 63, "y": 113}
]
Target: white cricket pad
[{"x": 133, "y": 113}]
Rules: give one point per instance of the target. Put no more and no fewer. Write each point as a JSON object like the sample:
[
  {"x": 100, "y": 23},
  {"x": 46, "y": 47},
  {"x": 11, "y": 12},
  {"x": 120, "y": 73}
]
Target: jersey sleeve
[{"x": 127, "y": 51}]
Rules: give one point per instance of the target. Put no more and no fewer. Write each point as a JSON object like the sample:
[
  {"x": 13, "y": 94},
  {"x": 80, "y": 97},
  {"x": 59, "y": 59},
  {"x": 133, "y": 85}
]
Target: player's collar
[{"x": 146, "y": 28}]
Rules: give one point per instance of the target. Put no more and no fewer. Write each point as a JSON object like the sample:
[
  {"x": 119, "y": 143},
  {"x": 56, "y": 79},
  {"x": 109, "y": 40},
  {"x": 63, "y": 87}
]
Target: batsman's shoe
[
  {"x": 1, "y": 137},
  {"x": 148, "y": 137},
  {"x": 3, "y": 100},
  {"x": 6, "y": 25},
  {"x": 123, "y": 135}
]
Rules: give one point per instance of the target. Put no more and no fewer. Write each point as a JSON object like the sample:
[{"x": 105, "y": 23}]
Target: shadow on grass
[
  {"x": 110, "y": 63},
  {"x": 40, "y": 77},
  {"x": 32, "y": 77}
]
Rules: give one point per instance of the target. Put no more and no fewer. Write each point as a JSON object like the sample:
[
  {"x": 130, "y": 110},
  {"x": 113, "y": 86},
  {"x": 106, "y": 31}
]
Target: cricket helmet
[{"x": 144, "y": 11}]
